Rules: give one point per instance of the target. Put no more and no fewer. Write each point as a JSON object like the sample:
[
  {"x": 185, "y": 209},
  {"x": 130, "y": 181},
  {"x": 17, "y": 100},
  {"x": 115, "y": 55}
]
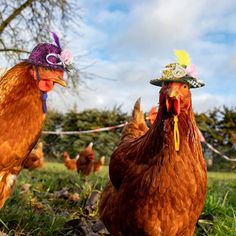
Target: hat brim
[
  {"x": 54, "y": 67},
  {"x": 192, "y": 82}
]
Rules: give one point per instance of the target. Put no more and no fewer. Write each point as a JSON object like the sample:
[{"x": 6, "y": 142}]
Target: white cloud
[
  {"x": 132, "y": 46},
  {"x": 205, "y": 101}
]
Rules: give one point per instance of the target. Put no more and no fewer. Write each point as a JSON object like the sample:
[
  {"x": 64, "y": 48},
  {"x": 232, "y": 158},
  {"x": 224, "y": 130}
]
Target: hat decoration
[
  {"x": 180, "y": 71},
  {"x": 51, "y": 55}
]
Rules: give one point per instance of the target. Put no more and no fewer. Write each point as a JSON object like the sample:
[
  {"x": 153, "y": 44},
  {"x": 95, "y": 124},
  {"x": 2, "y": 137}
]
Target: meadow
[{"x": 55, "y": 201}]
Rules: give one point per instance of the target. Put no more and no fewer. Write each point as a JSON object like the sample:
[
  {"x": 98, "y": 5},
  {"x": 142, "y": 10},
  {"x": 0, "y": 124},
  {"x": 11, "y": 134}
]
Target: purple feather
[{"x": 56, "y": 39}]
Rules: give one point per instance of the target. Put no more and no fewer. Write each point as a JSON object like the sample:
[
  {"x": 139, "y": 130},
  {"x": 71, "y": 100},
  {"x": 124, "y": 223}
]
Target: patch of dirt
[{"x": 86, "y": 225}]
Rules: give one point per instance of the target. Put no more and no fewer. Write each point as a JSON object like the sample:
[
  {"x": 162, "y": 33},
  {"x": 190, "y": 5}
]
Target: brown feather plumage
[
  {"x": 21, "y": 119},
  {"x": 70, "y": 163},
  {"x": 85, "y": 163},
  {"x": 153, "y": 189},
  {"x": 98, "y": 164},
  {"x": 35, "y": 158},
  {"x": 137, "y": 125}
]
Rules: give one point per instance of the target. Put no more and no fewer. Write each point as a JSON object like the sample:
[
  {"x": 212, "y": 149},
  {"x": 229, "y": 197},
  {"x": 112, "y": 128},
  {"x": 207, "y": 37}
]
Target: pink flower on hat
[
  {"x": 192, "y": 71},
  {"x": 66, "y": 56}
]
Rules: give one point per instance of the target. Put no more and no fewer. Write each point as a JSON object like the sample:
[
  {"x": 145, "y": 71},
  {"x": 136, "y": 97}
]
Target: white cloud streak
[{"x": 131, "y": 46}]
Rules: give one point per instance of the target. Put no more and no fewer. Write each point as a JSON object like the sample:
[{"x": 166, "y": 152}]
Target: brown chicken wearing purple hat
[{"x": 23, "y": 94}]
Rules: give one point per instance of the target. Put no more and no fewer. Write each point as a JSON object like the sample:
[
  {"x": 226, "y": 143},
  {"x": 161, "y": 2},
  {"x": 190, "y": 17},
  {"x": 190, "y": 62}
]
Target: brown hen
[
  {"x": 35, "y": 158},
  {"x": 69, "y": 162},
  {"x": 85, "y": 163},
  {"x": 98, "y": 164},
  {"x": 21, "y": 118},
  {"x": 155, "y": 189}
]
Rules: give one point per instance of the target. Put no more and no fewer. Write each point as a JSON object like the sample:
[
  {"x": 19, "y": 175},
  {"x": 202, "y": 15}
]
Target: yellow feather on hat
[{"x": 182, "y": 57}]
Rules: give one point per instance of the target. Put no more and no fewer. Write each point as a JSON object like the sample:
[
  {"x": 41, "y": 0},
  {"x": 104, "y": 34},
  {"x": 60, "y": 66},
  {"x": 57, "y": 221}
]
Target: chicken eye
[
  {"x": 185, "y": 86},
  {"x": 165, "y": 84}
]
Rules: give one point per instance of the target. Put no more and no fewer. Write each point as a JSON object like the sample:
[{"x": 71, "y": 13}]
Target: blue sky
[{"x": 130, "y": 42}]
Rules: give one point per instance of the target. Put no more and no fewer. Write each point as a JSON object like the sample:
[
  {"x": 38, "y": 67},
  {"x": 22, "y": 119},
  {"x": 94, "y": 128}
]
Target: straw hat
[{"x": 180, "y": 71}]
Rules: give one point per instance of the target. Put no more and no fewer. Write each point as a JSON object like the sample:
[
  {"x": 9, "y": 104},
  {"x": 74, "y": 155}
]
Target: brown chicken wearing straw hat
[
  {"x": 23, "y": 94},
  {"x": 158, "y": 180}
]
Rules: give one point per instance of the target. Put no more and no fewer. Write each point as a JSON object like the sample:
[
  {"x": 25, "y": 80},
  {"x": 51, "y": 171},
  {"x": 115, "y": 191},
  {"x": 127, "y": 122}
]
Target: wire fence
[{"x": 203, "y": 140}]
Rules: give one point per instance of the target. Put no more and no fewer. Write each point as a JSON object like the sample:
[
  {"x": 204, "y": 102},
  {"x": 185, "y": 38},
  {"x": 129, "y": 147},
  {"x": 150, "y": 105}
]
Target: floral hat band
[
  {"x": 63, "y": 59},
  {"x": 181, "y": 71}
]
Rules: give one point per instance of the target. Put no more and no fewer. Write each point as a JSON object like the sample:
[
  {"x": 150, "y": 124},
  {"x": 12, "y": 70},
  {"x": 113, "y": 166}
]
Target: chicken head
[
  {"x": 175, "y": 96},
  {"x": 152, "y": 114},
  {"x": 48, "y": 77}
]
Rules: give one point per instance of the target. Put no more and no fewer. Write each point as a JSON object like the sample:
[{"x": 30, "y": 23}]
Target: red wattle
[
  {"x": 176, "y": 107},
  {"x": 168, "y": 104},
  {"x": 45, "y": 85}
]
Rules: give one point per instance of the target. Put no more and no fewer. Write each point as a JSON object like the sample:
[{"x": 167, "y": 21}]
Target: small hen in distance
[
  {"x": 85, "y": 163},
  {"x": 98, "y": 164},
  {"x": 69, "y": 162}
]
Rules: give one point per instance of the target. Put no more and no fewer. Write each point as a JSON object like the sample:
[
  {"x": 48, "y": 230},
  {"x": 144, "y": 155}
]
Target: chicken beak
[
  {"x": 59, "y": 80},
  {"x": 173, "y": 102},
  {"x": 56, "y": 76}
]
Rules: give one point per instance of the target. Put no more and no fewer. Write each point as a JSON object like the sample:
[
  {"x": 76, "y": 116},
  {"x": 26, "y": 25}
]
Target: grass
[
  {"x": 44, "y": 200},
  {"x": 52, "y": 200},
  {"x": 219, "y": 213}
]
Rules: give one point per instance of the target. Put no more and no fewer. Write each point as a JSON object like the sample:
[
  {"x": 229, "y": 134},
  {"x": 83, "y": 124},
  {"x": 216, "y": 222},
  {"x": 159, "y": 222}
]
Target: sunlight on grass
[
  {"x": 221, "y": 175},
  {"x": 218, "y": 215},
  {"x": 45, "y": 199},
  {"x": 52, "y": 200}
]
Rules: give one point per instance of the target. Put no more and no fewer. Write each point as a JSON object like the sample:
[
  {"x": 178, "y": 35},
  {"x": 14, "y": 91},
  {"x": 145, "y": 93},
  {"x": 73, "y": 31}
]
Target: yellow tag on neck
[{"x": 176, "y": 133}]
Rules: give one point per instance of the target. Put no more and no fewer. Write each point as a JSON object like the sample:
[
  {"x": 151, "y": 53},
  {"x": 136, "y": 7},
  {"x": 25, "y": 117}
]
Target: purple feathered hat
[{"x": 51, "y": 56}]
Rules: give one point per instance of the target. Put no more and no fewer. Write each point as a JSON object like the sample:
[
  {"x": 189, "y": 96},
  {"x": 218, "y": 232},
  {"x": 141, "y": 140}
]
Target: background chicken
[
  {"x": 68, "y": 162},
  {"x": 155, "y": 187},
  {"x": 152, "y": 114},
  {"x": 85, "y": 163},
  {"x": 35, "y": 158},
  {"x": 23, "y": 93},
  {"x": 98, "y": 164}
]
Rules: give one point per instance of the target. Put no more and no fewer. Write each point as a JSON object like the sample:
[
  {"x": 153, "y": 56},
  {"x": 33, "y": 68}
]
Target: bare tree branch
[
  {"x": 16, "y": 50},
  {"x": 14, "y": 14},
  {"x": 25, "y": 23}
]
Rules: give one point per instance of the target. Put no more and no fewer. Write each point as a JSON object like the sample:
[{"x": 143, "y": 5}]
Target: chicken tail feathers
[
  {"x": 136, "y": 126},
  {"x": 137, "y": 107}
]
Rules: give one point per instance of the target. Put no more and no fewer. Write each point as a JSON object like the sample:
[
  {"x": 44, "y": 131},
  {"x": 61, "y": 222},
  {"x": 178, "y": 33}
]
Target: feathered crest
[{"x": 182, "y": 57}]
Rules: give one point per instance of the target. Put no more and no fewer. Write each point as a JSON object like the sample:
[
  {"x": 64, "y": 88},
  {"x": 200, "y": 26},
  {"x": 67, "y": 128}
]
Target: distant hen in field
[{"x": 69, "y": 162}]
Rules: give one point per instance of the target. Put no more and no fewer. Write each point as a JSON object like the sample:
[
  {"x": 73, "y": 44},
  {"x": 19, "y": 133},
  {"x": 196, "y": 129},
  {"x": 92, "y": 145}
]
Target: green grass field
[
  {"x": 54, "y": 201},
  {"x": 218, "y": 216}
]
